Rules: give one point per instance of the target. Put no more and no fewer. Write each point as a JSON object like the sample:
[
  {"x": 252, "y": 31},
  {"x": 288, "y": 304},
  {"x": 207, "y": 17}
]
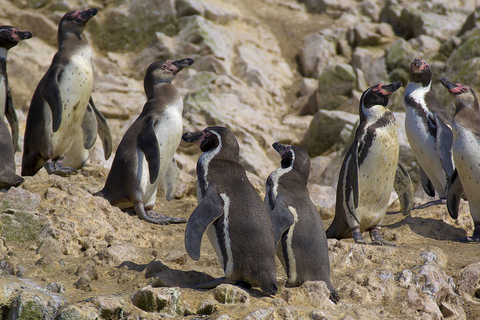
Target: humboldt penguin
[
  {"x": 145, "y": 155},
  {"x": 60, "y": 100},
  {"x": 302, "y": 247},
  {"x": 232, "y": 214},
  {"x": 429, "y": 132},
  {"x": 9, "y": 38},
  {"x": 369, "y": 170},
  {"x": 466, "y": 155}
]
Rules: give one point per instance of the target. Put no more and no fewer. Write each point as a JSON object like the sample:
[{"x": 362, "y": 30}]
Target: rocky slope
[{"x": 271, "y": 71}]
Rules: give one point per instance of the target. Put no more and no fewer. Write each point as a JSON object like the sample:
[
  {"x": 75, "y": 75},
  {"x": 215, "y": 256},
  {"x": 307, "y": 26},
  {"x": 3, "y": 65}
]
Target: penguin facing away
[
  {"x": 232, "y": 214},
  {"x": 9, "y": 38},
  {"x": 60, "y": 100},
  {"x": 428, "y": 129},
  {"x": 302, "y": 247},
  {"x": 369, "y": 171},
  {"x": 466, "y": 154},
  {"x": 145, "y": 155}
]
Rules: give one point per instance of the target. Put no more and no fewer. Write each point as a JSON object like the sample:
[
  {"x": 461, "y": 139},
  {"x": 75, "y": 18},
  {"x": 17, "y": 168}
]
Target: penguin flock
[{"x": 246, "y": 232}]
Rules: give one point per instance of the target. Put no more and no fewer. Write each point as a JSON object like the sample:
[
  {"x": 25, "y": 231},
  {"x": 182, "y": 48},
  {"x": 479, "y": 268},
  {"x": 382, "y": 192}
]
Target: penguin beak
[
  {"x": 87, "y": 14},
  {"x": 192, "y": 137},
  {"x": 280, "y": 148},
  {"x": 23, "y": 35},
  {"x": 391, "y": 88},
  {"x": 183, "y": 63},
  {"x": 447, "y": 84}
]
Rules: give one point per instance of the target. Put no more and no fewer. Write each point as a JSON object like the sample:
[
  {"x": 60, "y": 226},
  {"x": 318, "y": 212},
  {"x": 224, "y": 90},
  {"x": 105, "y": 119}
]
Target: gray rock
[
  {"x": 78, "y": 312},
  {"x": 50, "y": 246},
  {"x": 259, "y": 314},
  {"x": 316, "y": 55},
  {"x": 40, "y": 25},
  {"x": 19, "y": 199},
  {"x": 109, "y": 307},
  {"x": 7, "y": 268},
  {"x": 372, "y": 62},
  {"x": 226, "y": 293},
  {"x": 370, "y": 34},
  {"x": 324, "y": 130},
  {"x": 157, "y": 299},
  {"x": 55, "y": 287},
  {"x": 322, "y": 196},
  {"x": 207, "y": 307},
  {"x": 339, "y": 80},
  {"x": 469, "y": 282}
]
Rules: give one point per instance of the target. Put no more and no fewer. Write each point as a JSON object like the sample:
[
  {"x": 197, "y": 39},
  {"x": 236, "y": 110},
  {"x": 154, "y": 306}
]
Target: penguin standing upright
[
  {"x": 369, "y": 170},
  {"x": 466, "y": 154},
  {"x": 303, "y": 247},
  {"x": 9, "y": 38},
  {"x": 61, "y": 99},
  {"x": 232, "y": 213},
  {"x": 145, "y": 156},
  {"x": 428, "y": 130}
]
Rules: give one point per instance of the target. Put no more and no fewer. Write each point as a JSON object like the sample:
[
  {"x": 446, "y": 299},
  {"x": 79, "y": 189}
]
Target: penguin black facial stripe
[{"x": 280, "y": 172}]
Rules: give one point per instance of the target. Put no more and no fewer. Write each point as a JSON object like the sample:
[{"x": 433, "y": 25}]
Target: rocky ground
[{"x": 271, "y": 71}]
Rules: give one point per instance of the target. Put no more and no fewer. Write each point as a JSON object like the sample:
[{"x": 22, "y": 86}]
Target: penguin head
[
  {"x": 75, "y": 22},
  {"x": 462, "y": 95},
  {"x": 10, "y": 36},
  {"x": 376, "y": 96},
  {"x": 420, "y": 72},
  {"x": 163, "y": 71},
  {"x": 219, "y": 140},
  {"x": 294, "y": 157}
]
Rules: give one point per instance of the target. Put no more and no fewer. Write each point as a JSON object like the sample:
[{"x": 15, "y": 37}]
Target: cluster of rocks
[{"x": 271, "y": 71}]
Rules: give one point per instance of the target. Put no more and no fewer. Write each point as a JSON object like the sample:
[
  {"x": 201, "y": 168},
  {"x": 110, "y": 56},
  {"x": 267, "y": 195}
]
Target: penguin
[
  {"x": 145, "y": 155},
  {"x": 232, "y": 214},
  {"x": 429, "y": 132},
  {"x": 9, "y": 38},
  {"x": 93, "y": 123},
  {"x": 60, "y": 100},
  {"x": 303, "y": 247},
  {"x": 466, "y": 154},
  {"x": 369, "y": 170}
]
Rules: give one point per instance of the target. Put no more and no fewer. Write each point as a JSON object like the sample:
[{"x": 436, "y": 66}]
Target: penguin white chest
[
  {"x": 466, "y": 154},
  {"x": 376, "y": 175},
  {"x": 424, "y": 146},
  {"x": 75, "y": 84},
  {"x": 168, "y": 133},
  {"x": 3, "y": 95}
]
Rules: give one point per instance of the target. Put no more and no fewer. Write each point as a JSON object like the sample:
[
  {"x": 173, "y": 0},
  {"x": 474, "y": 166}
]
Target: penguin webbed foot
[
  {"x": 357, "y": 236},
  {"x": 334, "y": 296},
  {"x": 56, "y": 167},
  {"x": 431, "y": 203},
  {"x": 474, "y": 238},
  {"x": 154, "y": 217},
  {"x": 212, "y": 283},
  {"x": 378, "y": 240}
]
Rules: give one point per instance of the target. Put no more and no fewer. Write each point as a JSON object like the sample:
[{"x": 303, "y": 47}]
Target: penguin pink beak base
[
  {"x": 453, "y": 88},
  {"x": 387, "y": 89}
]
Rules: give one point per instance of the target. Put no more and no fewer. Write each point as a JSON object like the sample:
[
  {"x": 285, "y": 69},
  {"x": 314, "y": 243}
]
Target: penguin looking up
[
  {"x": 369, "y": 171},
  {"x": 428, "y": 129},
  {"x": 466, "y": 154},
  {"x": 232, "y": 214},
  {"x": 145, "y": 156},
  {"x": 302, "y": 244},
  {"x": 9, "y": 38},
  {"x": 60, "y": 100}
]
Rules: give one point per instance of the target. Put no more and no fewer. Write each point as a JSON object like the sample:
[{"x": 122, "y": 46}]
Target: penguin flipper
[
  {"x": 404, "y": 189},
  {"x": 207, "y": 211},
  {"x": 52, "y": 95},
  {"x": 170, "y": 180},
  {"x": 281, "y": 218},
  {"x": 454, "y": 193},
  {"x": 103, "y": 130},
  {"x": 147, "y": 142},
  {"x": 12, "y": 120},
  {"x": 89, "y": 128},
  {"x": 426, "y": 183},
  {"x": 444, "y": 139}
]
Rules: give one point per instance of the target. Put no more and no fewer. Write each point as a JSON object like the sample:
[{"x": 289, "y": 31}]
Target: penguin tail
[
  {"x": 31, "y": 164},
  {"x": 10, "y": 180}
]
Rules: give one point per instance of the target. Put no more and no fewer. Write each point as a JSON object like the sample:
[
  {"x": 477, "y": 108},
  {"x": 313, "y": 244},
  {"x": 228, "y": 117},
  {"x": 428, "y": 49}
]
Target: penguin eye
[
  {"x": 464, "y": 89},
  {"x": 164, "y": 66}
]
